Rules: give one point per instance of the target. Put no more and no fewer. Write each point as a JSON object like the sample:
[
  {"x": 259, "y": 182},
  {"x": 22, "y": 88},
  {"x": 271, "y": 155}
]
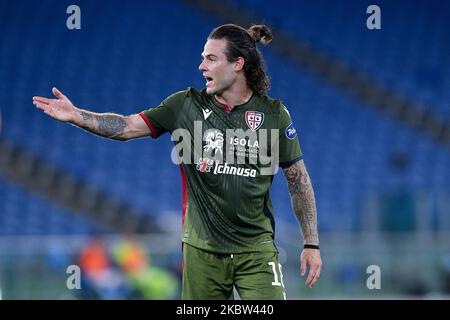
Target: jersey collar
[{"x": 227, "y": 108}]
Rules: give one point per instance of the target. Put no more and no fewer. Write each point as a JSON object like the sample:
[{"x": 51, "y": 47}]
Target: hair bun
[{"x": 261, "y": 33}]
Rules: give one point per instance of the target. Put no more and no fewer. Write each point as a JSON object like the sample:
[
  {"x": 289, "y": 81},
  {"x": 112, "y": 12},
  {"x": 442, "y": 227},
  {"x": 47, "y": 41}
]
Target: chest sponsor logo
[
  {"x": 213, "y": 142},
  {"x": 209, "y": 165},
  {"x": 244, "y": 147},
  {"x": 254, "y": 119},
  {"x": 291, "y": 132},
  {"x": 214, "y": 151}
]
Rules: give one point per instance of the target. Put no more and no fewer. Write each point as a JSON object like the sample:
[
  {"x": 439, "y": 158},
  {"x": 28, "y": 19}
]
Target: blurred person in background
[
  {"x": 228, "y": 222},
  {"x": 100, "y": 279},
  {"x": 149, "y": 282}
]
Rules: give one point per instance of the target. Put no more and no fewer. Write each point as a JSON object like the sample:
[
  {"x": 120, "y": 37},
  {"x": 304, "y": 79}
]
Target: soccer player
[{"x": 228, "y": 222}]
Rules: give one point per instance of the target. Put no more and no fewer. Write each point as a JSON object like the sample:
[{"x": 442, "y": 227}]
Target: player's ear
[{"x": 239, "y": 64}]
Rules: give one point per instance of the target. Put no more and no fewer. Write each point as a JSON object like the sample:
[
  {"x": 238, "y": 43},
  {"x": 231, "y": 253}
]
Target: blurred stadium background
[{"x": 371, "y": 106}]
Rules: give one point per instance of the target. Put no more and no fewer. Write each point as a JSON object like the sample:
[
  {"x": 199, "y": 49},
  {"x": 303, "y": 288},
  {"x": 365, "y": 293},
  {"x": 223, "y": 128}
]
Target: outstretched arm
[
  {"x": 304, "y": 205},
  {"x": 108, "y": 125}
]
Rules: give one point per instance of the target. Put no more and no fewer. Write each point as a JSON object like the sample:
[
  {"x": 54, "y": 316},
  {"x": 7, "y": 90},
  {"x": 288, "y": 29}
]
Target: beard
[{"x": 218, "y": 89}]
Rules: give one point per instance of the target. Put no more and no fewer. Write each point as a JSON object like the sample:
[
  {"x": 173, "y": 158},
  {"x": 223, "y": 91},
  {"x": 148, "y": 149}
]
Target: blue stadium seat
[{"x": 22, "y": 213}]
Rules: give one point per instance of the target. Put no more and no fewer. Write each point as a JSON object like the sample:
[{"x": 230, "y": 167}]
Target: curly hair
[{"x": 242, "y": 43}]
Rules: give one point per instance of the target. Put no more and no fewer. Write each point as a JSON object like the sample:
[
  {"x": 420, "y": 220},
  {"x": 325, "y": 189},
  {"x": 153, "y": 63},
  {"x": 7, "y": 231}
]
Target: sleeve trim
[
  {"x": 290, "y": 162},
  {"x": 153, "y": 132}
]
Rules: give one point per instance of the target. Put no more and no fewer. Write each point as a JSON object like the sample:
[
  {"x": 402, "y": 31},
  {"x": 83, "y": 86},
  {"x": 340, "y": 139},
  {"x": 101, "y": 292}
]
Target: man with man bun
[{"x": 228, "y": 220}]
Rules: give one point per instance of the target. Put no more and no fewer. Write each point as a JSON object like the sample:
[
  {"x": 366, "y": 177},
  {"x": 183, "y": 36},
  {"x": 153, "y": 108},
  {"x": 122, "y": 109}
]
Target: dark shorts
[{"x": 211, "y": 276}]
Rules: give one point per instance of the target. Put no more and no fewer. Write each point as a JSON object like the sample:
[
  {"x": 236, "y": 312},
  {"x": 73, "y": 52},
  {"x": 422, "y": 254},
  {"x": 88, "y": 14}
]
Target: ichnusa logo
[{"x": 206, "y": 165}]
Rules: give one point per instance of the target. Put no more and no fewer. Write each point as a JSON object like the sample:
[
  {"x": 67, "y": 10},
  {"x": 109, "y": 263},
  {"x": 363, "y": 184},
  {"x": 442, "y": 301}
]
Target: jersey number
[{"x": 275, "y": 275}]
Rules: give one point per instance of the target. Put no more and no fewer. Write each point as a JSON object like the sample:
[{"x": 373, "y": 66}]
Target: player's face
[{"x": 218, "y": 72}]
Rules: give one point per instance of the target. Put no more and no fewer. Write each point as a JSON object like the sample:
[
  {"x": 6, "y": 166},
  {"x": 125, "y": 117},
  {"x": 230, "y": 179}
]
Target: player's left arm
[{"x": 304, "y": 205}]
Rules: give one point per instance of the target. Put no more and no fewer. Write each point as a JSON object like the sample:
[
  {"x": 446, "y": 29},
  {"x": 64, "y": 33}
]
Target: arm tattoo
[
  {"x": 106, "y": 125},
  {"x": 111, "y": 125},
  {"x": 85, "y": 116},
  {"x": 303, "y": 200}
]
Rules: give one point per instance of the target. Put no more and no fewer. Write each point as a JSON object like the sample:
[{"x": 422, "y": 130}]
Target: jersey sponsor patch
[
  {"x": 291, "y": 132},
  {"x": 254, "y": 119}
]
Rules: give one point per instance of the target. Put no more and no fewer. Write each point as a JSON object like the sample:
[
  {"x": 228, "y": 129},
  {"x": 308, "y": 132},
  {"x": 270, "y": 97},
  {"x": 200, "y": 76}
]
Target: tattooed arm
[
  {"x": 304, "y": 205},
  {"x": 303, "y": 201},
  {"x": 106, "y": 125},
  {"x": 110, "y": 125}
]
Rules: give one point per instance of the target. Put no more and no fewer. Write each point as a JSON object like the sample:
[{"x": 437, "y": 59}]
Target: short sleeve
[
  {"x": 289, "y": 147},
  {"x": 162, "y": 119}
]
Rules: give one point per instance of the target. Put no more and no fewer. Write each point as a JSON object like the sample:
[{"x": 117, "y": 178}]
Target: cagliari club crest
[{"x": 254, "y": 119}]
